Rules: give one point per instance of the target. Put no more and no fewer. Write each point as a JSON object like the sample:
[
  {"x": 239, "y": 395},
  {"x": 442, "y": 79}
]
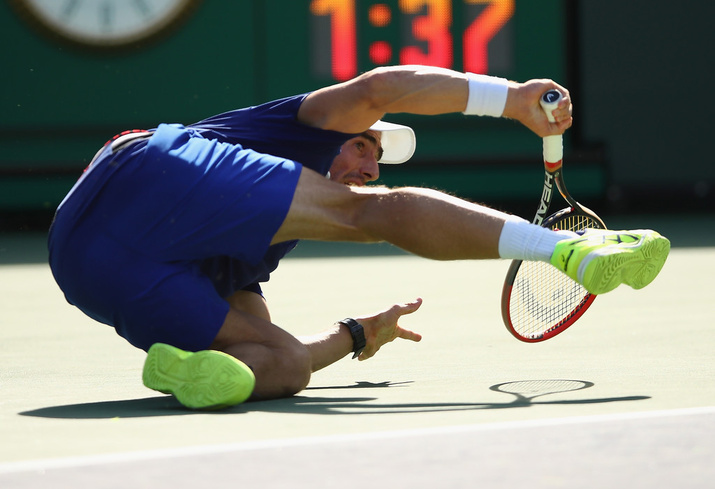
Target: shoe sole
[
  {"x": 205, "y": 380},
  {"x": 637, "y": 265}
]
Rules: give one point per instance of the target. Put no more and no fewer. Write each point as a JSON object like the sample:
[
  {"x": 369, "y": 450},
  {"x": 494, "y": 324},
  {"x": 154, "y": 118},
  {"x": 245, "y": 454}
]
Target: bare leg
[
  {"x": 279, "y": 361},
  {"x": 432, "y": 224},
  {"x": 422, "y": 221}
]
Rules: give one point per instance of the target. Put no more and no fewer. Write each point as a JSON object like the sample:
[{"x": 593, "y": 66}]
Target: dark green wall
[
  {"x": 60, "y": 103},
  {"x": 646, "y": 92}
]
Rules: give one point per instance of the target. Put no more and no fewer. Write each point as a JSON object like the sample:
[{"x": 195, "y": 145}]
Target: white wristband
[{"x": 487, "y": 95}]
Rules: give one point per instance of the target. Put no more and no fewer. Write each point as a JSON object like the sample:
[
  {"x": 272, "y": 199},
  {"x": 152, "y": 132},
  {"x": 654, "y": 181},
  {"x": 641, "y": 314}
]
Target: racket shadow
[{"x": 524, "y": 393}]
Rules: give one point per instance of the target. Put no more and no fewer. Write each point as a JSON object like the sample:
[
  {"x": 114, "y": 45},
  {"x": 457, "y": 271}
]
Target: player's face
[{"x": 357, "y": 162}]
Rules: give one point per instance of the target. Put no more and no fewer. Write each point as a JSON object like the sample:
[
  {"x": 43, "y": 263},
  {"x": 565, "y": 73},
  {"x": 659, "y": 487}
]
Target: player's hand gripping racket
[{"x": 539, "y": 301}]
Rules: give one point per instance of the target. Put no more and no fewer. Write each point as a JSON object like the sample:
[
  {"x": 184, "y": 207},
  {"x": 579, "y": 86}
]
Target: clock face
[{"x": 105, "y": 23}]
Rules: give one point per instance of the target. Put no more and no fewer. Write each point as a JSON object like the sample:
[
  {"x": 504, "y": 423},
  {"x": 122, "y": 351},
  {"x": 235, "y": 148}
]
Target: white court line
[{"x": 41, "y": 465}]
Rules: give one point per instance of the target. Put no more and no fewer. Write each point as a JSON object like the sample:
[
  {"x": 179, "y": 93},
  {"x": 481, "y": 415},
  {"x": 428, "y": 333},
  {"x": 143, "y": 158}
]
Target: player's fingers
[
  {"x": 563, "y": 113},
  {"x": 406, "y": 334},
  {"x": 371, "y": 349},
  {"x": 408, "y": 307}
]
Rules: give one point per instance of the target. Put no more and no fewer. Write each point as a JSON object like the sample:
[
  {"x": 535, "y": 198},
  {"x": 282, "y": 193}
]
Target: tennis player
[{"x": 169, "y": 233}]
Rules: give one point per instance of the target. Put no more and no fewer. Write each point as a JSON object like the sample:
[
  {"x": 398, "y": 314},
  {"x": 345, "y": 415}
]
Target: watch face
[{"x": 105, "y": 23}]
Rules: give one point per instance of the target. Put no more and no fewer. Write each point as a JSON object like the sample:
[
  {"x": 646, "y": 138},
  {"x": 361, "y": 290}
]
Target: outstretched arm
[
  {"x": 353, "y": 106},
  {"x": 335, "y": 343}
]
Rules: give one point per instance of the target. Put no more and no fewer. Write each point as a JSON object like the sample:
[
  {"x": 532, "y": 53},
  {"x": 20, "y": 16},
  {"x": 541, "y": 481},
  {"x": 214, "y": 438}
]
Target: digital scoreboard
[
  {"x": 313, "y": 43},
  {"x": 470, "y": 35}
]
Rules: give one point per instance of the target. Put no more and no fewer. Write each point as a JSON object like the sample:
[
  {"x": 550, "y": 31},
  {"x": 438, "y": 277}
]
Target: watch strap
[{"x": 358, "y": 334}]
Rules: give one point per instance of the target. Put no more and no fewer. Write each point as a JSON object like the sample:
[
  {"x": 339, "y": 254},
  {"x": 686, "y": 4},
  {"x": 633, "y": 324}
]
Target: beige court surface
[{"x": 73, "y": 408}]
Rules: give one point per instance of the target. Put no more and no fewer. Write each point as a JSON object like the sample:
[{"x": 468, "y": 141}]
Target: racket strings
[{"x": 543, "y": 298}]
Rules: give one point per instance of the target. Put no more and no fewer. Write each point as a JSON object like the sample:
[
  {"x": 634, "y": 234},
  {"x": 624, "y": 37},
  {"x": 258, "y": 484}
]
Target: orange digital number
[
  {"x": 433, "y": 28},
  {"x": 482, "y": 30},
  {"x": 343, "y": 36}
]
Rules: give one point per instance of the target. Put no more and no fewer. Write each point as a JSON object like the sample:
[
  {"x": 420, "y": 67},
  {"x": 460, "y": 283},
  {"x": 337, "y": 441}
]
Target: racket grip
[
  {"x": 549, "y": 101},
  {"x": 553, "y": 145}
]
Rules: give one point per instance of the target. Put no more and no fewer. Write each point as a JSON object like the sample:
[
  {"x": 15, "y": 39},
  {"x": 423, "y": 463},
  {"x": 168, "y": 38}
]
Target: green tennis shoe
[
  {"x": 601, "y": 260},
  {"x": 206, "y": 379}
]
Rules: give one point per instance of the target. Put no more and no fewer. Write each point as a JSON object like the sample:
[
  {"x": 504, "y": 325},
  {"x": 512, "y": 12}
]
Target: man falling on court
[{"x": 169, "y": 233}]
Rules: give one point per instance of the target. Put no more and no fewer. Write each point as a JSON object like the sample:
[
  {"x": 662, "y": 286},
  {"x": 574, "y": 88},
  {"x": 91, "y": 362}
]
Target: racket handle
[{"x": 553, "y": 145}]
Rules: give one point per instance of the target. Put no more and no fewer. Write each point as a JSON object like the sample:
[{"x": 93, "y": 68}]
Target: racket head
[{"x": 539, "y": 301}]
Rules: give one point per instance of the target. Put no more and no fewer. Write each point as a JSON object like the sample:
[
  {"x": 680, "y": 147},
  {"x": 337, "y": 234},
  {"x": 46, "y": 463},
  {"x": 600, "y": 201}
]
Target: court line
[{"x": 41, "y": 465}]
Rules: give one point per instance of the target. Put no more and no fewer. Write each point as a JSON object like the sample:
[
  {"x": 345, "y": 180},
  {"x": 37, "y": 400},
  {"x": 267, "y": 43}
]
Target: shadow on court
[{"x": 523, "y": 394}]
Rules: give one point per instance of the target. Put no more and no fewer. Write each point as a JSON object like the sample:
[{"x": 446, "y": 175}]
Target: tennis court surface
[{"x": 624, "y": 398}]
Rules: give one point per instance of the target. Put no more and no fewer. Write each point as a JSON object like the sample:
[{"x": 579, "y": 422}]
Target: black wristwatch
[{"x": 358, "y": 334}]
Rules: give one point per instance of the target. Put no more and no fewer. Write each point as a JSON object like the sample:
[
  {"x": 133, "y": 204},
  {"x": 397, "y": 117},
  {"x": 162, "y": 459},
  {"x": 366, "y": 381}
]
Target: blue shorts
[{"x": 131, "y": 243}]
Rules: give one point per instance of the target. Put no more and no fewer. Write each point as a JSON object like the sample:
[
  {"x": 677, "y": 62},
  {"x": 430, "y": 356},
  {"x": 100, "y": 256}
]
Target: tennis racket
[{"x": 538, "y": 300}]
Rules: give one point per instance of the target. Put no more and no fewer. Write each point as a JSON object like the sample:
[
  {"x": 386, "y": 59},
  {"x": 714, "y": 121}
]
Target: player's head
[{"x": 384, "y": 142}]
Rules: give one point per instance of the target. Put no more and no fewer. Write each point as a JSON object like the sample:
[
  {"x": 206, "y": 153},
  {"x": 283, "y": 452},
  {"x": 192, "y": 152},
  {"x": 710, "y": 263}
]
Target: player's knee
[{"x": 295, "y": 364}]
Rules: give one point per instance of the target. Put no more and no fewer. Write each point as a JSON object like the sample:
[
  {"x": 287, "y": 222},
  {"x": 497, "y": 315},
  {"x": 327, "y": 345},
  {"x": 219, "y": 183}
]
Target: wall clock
[{"x": 105, "y": 23}]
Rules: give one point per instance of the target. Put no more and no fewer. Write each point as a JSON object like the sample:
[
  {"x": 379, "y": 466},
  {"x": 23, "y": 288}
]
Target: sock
[{"x": 521, "y": 240}]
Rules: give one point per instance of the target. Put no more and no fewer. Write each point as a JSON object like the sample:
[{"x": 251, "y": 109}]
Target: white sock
[{"x": 521, "y": 240}]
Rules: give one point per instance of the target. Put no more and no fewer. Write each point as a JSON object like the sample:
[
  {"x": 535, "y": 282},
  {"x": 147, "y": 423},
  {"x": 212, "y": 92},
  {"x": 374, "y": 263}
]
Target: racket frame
[
  {"x": 508, "y": 289},
  {"x": 553, "y": 177}
]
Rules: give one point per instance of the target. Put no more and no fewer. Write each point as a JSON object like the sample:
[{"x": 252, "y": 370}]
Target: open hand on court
[{"x": 382, "y": 328}]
